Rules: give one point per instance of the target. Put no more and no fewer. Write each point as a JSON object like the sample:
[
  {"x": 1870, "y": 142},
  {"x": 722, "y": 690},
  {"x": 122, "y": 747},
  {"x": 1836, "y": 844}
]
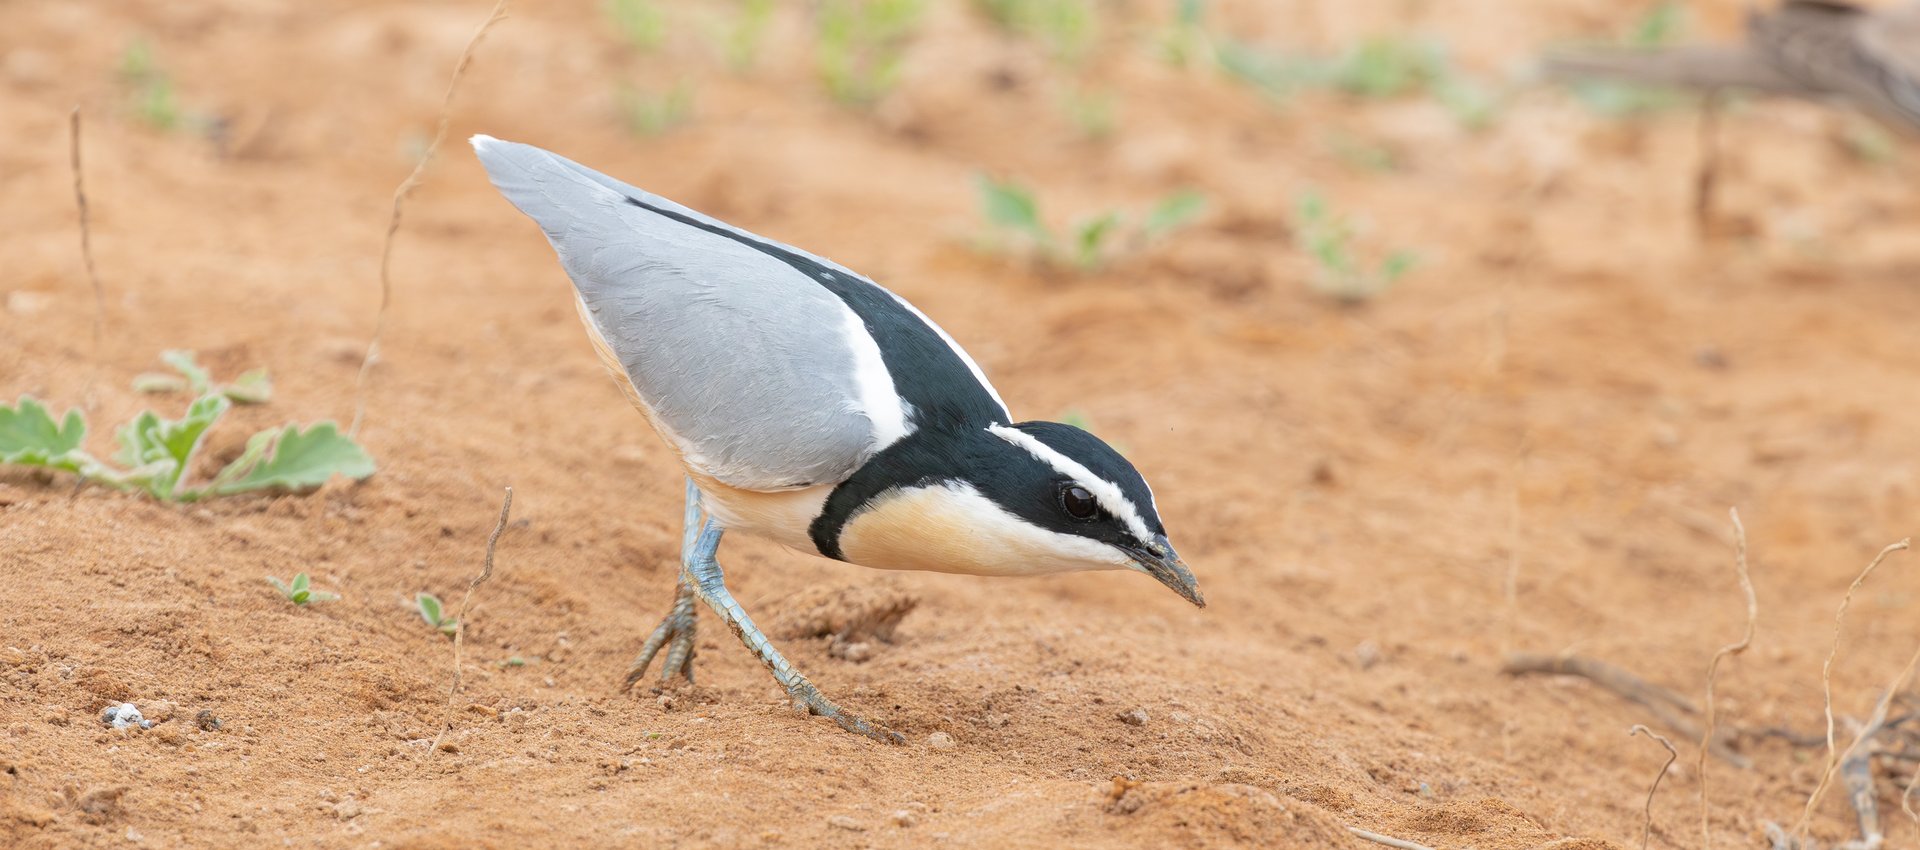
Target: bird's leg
[
  {"x": 679, "y": 626},
  {"x": 710, "y": 584}
]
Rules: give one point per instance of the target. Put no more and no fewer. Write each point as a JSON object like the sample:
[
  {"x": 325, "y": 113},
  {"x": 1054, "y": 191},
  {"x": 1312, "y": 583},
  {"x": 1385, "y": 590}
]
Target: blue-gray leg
[
  {"x": 703, "y": 572},
  {"x": 676, "y": 632}
]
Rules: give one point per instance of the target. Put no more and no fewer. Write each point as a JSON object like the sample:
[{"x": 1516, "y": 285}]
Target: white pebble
[{"x": 124, "y": 716}]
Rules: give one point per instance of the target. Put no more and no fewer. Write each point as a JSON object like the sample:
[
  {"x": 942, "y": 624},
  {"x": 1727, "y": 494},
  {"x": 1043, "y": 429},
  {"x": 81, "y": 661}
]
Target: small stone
[
  {"x": 1181, "y": 717},
  {"x": 857, "y": 652},
  {"x": 25, "y": 302},
  {"x": 903, "y": 818},
  {"x": 124, "y": 716},
  {"x": 1366, "y": 654},
  {"x": 940, "y": 741},
  {"x": 846, "y": 823},
  {"x": 449, "y": 747},
  {"x": 206, "y": 721},
  {"x": 1136, "y": 717},
  {"x": 347, "y": 809}
]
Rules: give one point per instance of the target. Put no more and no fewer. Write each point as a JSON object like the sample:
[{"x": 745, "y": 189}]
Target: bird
[
  {"x": 810, "y": 406},
  {"x": 1814, "y": 49}
]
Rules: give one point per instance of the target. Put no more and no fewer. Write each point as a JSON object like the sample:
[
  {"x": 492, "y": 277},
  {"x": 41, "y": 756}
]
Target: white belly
[{"x": 783, "y": 517}]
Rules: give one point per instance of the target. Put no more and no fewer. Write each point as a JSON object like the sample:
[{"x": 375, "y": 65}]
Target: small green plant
[
  {"x": 1012, "y": 210},
  {"x": 1186, "y": 38},
  {"x": 861, "y": 46},
  {"x": 741, "y": 39},
  {"x": 1661, "y": 25},
  {"x": 1067, "y": 28},
  {"x": 434, "y": 613},
  {"x": 1328, "y": 238},
  {"x": 649, "y": 114},
  {"x": 643, "y": 23},
  {"x": 252, "y": 387},
  {"x": 298, "y": 591},
  {"x": 150, "y": 90},
  {"x": 1092, "y": 112},
  {"x": 1378, "y": 68},
  {"x": 156, "y": 454}
]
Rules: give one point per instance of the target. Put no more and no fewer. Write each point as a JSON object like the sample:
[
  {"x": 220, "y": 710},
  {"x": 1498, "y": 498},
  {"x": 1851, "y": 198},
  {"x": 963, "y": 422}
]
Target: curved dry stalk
[
  {"x": 1906, "y": 805},
  {"x": 460, "y": 621},
  {"x": 86, "y": 231},
  {"x": 1388, "y": 840},
  {"x": 1713, "y": 667},
  {"x": 1826, "y": 686},
  {"x": 1646, "y": 832},
  {"x": 399, "y": 201}
]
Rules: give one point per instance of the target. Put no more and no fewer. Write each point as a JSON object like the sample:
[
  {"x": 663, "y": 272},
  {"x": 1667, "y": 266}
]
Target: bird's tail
[
  {"x": 1704, "y": 68},
  {"x": 551, "y": 189}
]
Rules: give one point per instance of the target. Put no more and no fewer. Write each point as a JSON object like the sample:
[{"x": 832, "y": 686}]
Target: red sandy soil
[{"x": 1570, "y": 389}]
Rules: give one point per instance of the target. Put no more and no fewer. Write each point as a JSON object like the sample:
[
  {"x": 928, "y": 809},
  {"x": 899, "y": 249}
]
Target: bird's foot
[
  {"x": 808, "y": 698},
  {"x": 676, "y": 634}
]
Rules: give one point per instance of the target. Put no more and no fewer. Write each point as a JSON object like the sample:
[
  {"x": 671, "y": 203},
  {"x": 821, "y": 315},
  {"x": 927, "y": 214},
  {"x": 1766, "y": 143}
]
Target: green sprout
[
  {"x": 1067, "y": 28},
  {"x": 151, "y": 95},
  {"x": 1377, "y": 68},
  {"x": 156, "y": 454},
  {"x": 1328, "y": 238},
  {"x": 1661, "y": 25},
  {"x": 862, "y": 44},
  {"x": 648, "y": 114},
  {"x": 1091, "y": 242},
  {"x": 1093, "y": 112},
  {"x": 643, "y": 23},
  {"x": 298, "y": 592},
  {"x": 434, "y": 613},
  {"x": 743, "y": 37},
  {"x": 252, "y": 387},
  {"x": 1186, "y": 39}
]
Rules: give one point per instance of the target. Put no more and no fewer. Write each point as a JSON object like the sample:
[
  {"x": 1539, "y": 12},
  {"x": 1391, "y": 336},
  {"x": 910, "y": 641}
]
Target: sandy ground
[{"x": 1570, "y": 390}]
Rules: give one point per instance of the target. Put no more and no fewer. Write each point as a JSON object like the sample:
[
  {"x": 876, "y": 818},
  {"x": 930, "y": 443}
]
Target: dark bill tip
[{"x": 1158, "y": 559}]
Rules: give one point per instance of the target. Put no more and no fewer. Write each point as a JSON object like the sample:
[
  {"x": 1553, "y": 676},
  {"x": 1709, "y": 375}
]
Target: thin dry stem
[
  {"x": 1706, "y": 180},
  {"x": 1388, "y": 840},
  {"x": 1906, "y": 804},
  {"x": 399, "y": 201},
  {"x": 1672, "y": 709},
  {"x": 1646, "y": 832},
  {"x": 1826, "y": 685},
  {"x": 1713, "y": 667},
  {"x": 460, "y": 620},
  {"x": 86, "y": 232},
  {"x": 1867, "y": 731}
]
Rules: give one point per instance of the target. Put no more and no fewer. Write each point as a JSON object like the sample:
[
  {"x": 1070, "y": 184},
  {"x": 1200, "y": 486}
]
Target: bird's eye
[{"x": 1077, "y": 502}]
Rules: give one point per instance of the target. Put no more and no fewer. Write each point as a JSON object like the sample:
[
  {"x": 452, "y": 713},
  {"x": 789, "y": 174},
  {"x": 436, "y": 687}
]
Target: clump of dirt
[{"x": 851, "y": 617}]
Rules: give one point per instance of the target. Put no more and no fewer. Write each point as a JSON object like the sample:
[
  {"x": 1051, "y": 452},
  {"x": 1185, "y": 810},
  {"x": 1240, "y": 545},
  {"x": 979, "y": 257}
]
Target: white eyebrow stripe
[{"x": 1105, "y": 492}]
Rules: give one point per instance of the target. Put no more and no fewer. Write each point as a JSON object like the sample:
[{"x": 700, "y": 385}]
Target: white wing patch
[
  {"x": 878, "y": 400},
  {"x": 1107, "y": 493}
]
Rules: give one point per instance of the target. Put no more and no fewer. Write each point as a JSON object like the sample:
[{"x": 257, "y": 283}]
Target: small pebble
[
  {"x": 846, "y": 823},
  {"x": 206, "y": 721},
  {"x": 124, "y": 716},
  {"x": 903, "y": 818},
  {"x": 1136, "y": 717},
  {"x": 940, "y": 741}
]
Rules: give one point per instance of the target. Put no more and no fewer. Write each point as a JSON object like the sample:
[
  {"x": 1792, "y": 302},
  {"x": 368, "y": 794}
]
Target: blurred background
[{"x": 1430, "y": 357}]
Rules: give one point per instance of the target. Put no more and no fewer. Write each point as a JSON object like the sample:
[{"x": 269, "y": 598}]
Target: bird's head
[{"x": 1024, "y": 499}]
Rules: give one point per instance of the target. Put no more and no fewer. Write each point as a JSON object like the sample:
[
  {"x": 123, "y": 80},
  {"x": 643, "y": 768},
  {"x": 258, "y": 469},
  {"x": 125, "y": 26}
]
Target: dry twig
[
  {"x": 86, "y": 232},
  {"x": 1826, "y": 685},
  {"x": 1713, "y": 667},
  {"x": 1646, "y": 832},
  {"x": 1671, "y": 708},
  {"x": 399, "y": 200},
  {"x": 1874, "y": 724},
  {"x": 1388, "y": 840},
  {"x": 460, "y": 620}
]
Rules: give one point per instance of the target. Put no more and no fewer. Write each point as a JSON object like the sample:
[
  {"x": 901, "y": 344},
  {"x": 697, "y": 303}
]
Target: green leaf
[
  {"x": 300, "y": 597},
  {"x": 154, "y": 382},
  {"x": 280, "y": 586},
  {"x": 1011, "y": 206},
  {"x": 1091, "y": 236},
  {"x": 300, "y": 582},
  {"x": 429, "y": 606},
  {"x": 161, "y": 450},
  {"x": 29, "y": 435},
  {"x": 197, "y": 377},
  {"x": 1174, "y": 212},
  {"x": 252, "y": 387},
  {"x": 322, "y": 596},
  {"x": 298, "y": 460}
]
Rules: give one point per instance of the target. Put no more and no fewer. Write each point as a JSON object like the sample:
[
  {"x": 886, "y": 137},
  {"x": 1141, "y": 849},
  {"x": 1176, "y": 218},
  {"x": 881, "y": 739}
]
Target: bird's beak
[{"x": 1158, "y": 559}]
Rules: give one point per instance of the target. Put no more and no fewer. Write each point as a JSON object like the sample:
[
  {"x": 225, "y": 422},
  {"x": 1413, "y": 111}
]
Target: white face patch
[
  {"x": 878, "y": 400},
  {"x": 1107, "y": 493},
  {"x": 952, "y": 528}
]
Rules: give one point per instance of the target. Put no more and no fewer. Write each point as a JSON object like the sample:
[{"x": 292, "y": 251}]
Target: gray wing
[{"x": 746, "y": 364}]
